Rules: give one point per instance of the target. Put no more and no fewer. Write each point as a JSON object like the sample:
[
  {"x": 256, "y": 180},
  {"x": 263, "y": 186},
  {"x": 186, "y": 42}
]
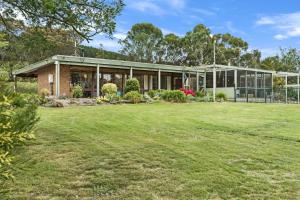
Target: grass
[{"x": 162, "y": 151}]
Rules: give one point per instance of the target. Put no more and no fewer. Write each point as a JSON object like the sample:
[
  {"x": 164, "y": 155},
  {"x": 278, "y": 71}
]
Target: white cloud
[
  {"x": 146, "y": 6},
  {"x": 265, "y": 21},
  {"x": 232, "y": 29},
  {"x": 204, "y": 12},
  {"x": 287, "y": 25},
  {"x": 178, "y": 4},
  {"x": 157, "y": 7}
]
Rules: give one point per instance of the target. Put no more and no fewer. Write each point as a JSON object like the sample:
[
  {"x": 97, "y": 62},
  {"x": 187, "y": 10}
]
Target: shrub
[
  {"x": 77, "y": 91},
  {"x": 154, "y": 93},
  {"x": 132, "y": 85},
  {"x": 18, "y": 117},
  {"x": 190, "y": 97},
  {"x": 174, "y": 96},
  {"x": 208, "y": 97},
  {"x": 109, "y": 89},
  {"x": 102, "y": 99},
  {"x": 133, "y": 96},
  {"x": 44, "y": 92},
  {"x": 200, "y": 93},
  {"x": 221, "y": 96},
  {"x": 188, "y": 91}
]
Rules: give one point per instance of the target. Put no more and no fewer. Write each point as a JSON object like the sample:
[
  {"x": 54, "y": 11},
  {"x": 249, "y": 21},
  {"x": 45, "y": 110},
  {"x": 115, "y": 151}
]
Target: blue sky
[{"x": 264, "y": 24}]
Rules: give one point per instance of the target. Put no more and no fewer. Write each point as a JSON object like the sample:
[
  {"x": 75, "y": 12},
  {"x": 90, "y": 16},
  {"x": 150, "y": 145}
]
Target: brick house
[{"x": 92, "y": 73}]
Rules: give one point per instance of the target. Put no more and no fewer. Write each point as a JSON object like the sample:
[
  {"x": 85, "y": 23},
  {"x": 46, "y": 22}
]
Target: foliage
[
  {"x": 93, "y": 52},
  {"x": 17, "y": 119},
  {"x": 188, "y": 91},
  {"x": 174, "y": 96},
  {"x": 278, "y": 82},
  {"x": 44, "y": 92},
  {"x": 77, "y": 91},
  {"x": 221, "y": 96},
  {"x": 132, "y": 85},
  {"x": 143, "y": 43},
  {"x": 133, "y": 96},
  {"x": 200, "y": 93},
  {"x": 102, "y": 99},
  {"x": 196, "y": 45},
  {"x": 109, "y": 89},
  {"x": 190, "y": 98},
  {"x": 88, "y": 17},
  {"x": 147, "y": 98},
  {"x": 173, "y": 49},
  {"x": 208, "y": 97},
  {"x": 154, "y": 93}
]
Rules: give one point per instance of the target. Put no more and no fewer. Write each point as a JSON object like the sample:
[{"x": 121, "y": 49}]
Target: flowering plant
[{"x": 188, "y": 92}]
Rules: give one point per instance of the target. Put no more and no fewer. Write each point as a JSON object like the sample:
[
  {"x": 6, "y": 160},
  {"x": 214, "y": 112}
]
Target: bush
[
  {"x": 188, "y": 91},
  {"x": 154, "y": 93},
  {"x": 102, "y": 99},
  {"x": 109, "y": 89},
  {"x": 77, "y": 91},
  {"x": 44, "y": 92},
  {"x": 200, "y": 93},
  {"x": 132, "y": 85},
  {"x": 221, "y": 96},
  {"x": 133, "y": 96},
  {"x": 208, "y": 97},
  {"x": 18, "y": 116},
  {"x": 174, "y": 96},
  {"x": 190, "y": 97}
]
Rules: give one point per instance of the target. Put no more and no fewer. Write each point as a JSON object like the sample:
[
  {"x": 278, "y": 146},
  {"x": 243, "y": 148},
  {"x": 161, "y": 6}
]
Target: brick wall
[{"x": 43, "y": 81}]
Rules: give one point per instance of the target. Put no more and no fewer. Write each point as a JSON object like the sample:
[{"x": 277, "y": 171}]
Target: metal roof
[{"x": 107, "y": 63}]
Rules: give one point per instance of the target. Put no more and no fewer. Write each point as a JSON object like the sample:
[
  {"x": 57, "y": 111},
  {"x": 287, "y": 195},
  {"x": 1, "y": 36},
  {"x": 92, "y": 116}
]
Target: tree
[
  {"x": 290, "y": 59},
  {"x": 173, "y": 49},
  {"x": 34, "y": 44},
  {"x": 229, "y": 49},
  {"x": 196, "y": 45},
  {"x": 18, "y": 116},
  {"x": 143, "y": 43},
  {"x": 85, "y": 17},
  {"x": 251, "y": 59},
  {"x": 271, "y": 63}
]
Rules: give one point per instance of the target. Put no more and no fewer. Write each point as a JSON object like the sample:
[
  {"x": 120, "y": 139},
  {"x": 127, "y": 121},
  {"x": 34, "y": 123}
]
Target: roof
[{"x": 94, "y": 62}]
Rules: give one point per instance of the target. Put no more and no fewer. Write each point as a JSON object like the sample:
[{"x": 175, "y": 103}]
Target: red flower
[{"x": 188, "y": 92}]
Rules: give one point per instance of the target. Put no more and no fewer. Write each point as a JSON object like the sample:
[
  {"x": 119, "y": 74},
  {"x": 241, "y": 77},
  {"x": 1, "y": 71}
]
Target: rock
[{"x": 84, "y": 101}]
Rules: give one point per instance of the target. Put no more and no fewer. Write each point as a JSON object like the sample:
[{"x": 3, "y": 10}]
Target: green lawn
[{"x": 162, "y": 151}]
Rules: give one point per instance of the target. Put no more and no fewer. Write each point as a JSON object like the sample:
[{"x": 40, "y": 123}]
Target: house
[{"x": 92, "y": 73}]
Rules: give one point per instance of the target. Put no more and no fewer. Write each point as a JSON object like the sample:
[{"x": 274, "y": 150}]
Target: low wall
[{"x": 229, "y": 91}]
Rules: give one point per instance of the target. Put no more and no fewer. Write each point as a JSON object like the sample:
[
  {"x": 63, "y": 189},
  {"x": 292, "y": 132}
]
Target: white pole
[
  {"x": 235, "y": 84},
  {"x": 272, "y": 95},
  {"x": 225, "y": 84},
  {"x": 183, "y": 77},
  {"x": 159, "y": 79},
  {"x": 214, "y": 83},
  {"x": 197, "y": 79},
  {"x": 286, "y": 90},
  {"x": 204, "y": 81},
  {"x": 98, "y": 81},
  {"x": 131, "y": 73},
  {"x": 235, "y": 79},
  {"x": 57, "y": 78},
  {"x": 255, "y": 85},
  {"x": 214, "y": 52},
  {"x": 15, "y": 83}
]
